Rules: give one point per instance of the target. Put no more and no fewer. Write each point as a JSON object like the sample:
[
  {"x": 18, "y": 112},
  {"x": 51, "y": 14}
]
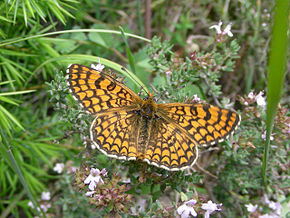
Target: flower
[
  {"x": 219, "y": 31},
  {"x": 30, "y": 204},
  {"x": 251, "y": 208},
  {"x": 168, "y": 73},
  {"x": 196, "y": 98},
  {"x": 93, "y": 146},
  {"x": 217, "y": 27},
  {"x": 90, "y": 193},
  {"x": 276, "y": 206},
  {"x": 264, "y": 135},
  {"x": 227, "y": 30},
  {"x": 95, "y": 177},
  {"x": 98, "y": 67},
  {"x": 58, "y": 168},
  {"x": 260, "y": 99},
  {"x": 45, "y": 207},
  {"x": 210, "y": 207},
  {"x": 45, "y": 196},
  {"x": 251, "y": 95},
  {"x": 186, "y": 209}
]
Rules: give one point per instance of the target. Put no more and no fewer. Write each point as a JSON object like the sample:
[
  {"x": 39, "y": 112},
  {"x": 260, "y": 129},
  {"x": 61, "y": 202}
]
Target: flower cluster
[
  {"x": 103, "y": 191},
  {"x": 187, "y": 208},
  {"x": 276, "y": 209},
  {"x": 253, "y": 98},
  {"x": 44, "y": 204},
  {"x": 68, "y": 166},
  {"x": 251, "y": 101}
]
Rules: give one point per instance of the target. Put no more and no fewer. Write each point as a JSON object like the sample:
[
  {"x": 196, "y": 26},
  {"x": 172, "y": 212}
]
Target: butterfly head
[{"x": 148, "y": 106}]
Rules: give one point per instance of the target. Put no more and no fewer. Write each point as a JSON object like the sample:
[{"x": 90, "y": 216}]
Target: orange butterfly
[{"x": 128, "y": 127}]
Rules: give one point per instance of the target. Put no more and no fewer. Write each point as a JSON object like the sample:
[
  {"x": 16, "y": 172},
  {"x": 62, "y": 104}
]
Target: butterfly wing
[
  {"x": 205, "y": 124},
  {"x": 115, "y": 134},
  {"x": 96, "y": 91},
  {"x": 168, "y": 147}
]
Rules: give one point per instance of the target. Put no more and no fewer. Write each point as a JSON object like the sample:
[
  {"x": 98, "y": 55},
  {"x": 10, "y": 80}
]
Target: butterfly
[{"x": 128, "y": 127}]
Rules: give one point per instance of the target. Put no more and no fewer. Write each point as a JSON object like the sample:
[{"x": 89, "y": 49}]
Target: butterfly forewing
[
  {"x": 206, "y": 124},
  {"x": 96, "y": 91}
]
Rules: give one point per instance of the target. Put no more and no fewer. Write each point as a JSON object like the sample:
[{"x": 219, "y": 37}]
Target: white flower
[
  {"x": 251, "y": 95},
  {"x": 251, "y": 208},
  {"x": 276, "y": 206},
  {"x": 98, "y": 67},
  {"x": 260, "y": 99},
  {"x": 196, "y": 98},
  {"x": 168, "y": 73},
  {"x": 104, "y": 172},
  {"x": 30, "y": 204},
  {"x": 127, "y": 181},
  {"x": 217, "y": 27},
  {"x": 58, "y": 168},
  {"x": 186, "y": 209},
  {"x": 219, "y": 31},
  {"x": 210, "y": 207},
  {"x": 45, "y": 207},
  {"x": 264, "y": 135},
  {"x": 90, "y": 193},
  {"x": 93, "y": 146},
  {"x": 227, "y": 30},
  {"x": 45, "y": 196},
  {"x": 94, "y": 178}
]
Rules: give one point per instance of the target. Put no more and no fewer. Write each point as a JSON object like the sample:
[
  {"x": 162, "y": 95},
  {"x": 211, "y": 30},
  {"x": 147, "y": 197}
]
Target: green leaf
[
  {"x": 277, "y": 69},
  {"x": 145, "y": 188}
]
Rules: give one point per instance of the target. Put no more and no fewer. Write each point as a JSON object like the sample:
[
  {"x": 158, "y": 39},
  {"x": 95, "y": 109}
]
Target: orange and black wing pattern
[
  {"x": 169, "y": 148},
  {"x": 96, "y": 91},
  {"x": 114, "y": 134},
  {"x": 168, "y": 138},
  {"x": 205, "y": 124}
]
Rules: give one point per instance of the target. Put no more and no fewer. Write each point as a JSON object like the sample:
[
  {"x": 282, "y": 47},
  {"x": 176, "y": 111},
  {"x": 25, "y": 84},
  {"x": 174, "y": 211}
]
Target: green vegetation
[{"x": 44, "y": 133}]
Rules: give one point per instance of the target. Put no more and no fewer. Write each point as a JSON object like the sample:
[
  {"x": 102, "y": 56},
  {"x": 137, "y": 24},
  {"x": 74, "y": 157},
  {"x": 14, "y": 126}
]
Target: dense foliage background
[{"x": 43, "y": 132}]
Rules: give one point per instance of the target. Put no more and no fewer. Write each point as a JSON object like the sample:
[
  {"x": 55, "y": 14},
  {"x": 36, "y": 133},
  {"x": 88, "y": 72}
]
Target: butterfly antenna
[{"x": 142, "y": 88}]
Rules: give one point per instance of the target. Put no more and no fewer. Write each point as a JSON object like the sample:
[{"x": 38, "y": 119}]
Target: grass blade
[{"x": 277, "y": 69}]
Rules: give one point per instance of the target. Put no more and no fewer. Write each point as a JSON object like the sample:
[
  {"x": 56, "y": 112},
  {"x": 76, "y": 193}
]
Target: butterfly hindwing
[
  {"x": 114, "y": 134},
  {"x": 169, "y": 148}
]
